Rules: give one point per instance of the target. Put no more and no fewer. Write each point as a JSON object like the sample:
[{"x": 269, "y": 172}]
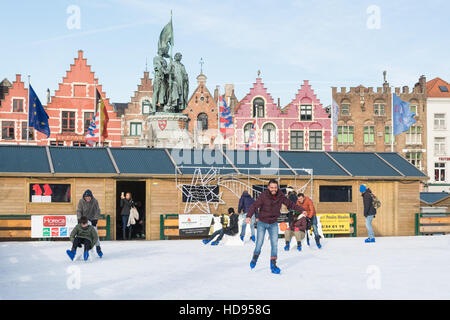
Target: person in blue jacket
[{"x": 245, "y": 202}]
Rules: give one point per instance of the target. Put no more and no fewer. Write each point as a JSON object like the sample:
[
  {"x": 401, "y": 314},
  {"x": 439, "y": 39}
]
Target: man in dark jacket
[
  {"x": 231, "y": 230},
  {"x": 269, "y": 205},
  {"x": 126, "y": 203},
  {"x": 369, "y": 211},
  {"x": 245, "y": 202},
  {"x": 88, "y": 207}
]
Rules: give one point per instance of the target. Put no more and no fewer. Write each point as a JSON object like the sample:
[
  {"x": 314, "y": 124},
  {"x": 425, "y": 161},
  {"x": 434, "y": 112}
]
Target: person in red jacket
[
  {"x": 297, "y": 228},
  {"x": 311, "y": 218},
  {"x": 269, "y": 205}
]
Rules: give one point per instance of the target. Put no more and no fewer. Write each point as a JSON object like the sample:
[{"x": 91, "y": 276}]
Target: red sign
[
  {"x": 55, "y": 232},
  {"x": 70, "y": 137},
  {"x": 444, "y": 158},
  {"x": 54, "y": 221},
  {"x": 162, "y": 124}
]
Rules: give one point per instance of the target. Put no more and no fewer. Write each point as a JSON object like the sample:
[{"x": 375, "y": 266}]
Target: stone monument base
[{"x": 169, "y": 130}]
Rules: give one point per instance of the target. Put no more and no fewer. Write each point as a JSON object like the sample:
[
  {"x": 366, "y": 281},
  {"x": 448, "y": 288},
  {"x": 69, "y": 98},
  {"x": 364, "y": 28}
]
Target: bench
[
  {"x": 432, "y": 223},
  {"x": 18, "y": 227}
]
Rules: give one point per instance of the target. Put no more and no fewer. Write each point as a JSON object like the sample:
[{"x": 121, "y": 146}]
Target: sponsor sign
[
  {"x": 333, "y": 223},
  {"x": 194, "y": 224},
  {"x": 54, "y": 226}
]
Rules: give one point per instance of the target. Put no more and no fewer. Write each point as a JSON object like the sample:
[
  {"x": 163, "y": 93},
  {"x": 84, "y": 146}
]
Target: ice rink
[{"x": 345, "y": 268}]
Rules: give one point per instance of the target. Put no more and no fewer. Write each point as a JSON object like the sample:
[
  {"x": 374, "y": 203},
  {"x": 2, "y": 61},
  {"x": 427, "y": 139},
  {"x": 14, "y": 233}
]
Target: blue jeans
[
  {"x": 273, "y": 234},
  {"x": 244, "y": 225},
  {"x": 314, "y": 224},
  {"x": 369, "y": 227}
]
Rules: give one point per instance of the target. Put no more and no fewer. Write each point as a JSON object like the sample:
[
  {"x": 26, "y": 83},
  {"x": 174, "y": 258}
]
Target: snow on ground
[{"x": 345, "y": 268}]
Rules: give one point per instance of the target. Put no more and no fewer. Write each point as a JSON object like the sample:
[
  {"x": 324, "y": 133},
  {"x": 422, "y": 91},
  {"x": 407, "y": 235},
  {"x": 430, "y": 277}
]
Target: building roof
[
  {"x": 146, "y": 161},
  {"x": 438, "y": 88},
  {"x": 433, "y": 197}
]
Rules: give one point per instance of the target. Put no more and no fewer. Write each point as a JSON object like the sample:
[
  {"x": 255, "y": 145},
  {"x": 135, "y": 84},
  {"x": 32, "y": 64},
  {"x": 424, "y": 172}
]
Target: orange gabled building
[{"x": 72, "y": 107}]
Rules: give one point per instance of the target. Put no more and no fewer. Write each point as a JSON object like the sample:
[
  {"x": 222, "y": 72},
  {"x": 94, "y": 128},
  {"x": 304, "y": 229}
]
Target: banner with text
[
  {"x": 194, "y": 224},
  {"x": 55, "y": 226},
  {"x": 334, "y": 223}
]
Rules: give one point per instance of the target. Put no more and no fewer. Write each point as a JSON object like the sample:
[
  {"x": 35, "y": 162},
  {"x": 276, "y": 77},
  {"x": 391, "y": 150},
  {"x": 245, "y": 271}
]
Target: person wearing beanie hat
[
  {"x": 88, "y": 207},
  {"x": 369, "y": 211}
]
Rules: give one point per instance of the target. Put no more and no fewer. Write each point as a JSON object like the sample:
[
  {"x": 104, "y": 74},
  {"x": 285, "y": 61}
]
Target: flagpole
[
  {"x": 332, "y": 122},
  {"x": 392, "y": 121},
  {"x": 218, "y": 111},
  {"x": 28, "y": 120}
]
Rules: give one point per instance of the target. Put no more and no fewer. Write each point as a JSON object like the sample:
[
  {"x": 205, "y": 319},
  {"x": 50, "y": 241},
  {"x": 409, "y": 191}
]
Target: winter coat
[
  {"x": 126, "y": 206},
  {"x": 369, "y": 210},
  {"x": 89, "y": 209},
  {"x": 245, "y": 202},
  {"x": 88, "y": 232},
  {"x": 308, "y": 206},
  {"x": 233, "y": 226},
  {"x": 298, "y": 221},
  {"x": 269, "y": 206},
  {"x": 134, "y": 216}
]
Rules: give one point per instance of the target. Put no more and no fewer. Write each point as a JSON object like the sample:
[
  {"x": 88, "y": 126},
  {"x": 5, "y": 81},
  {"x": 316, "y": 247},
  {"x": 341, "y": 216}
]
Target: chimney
[{"x": 216, "y": 93}]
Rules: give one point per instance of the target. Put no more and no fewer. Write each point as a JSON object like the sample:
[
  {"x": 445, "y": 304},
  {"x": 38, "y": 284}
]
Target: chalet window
[
  {"x": 258, "y": 108},
  {"x": 379, "y": 109},
  {"x": 345, "y": 134},
  {"x": 315, "y": 140},
  {"x": 335, "y": 193},
  {"x": 439, "y": 171},
  {"x": 414, "y": 135},
  {"x": 305, "y": 112},
  {"x": 45, "y": 192},
  {"x": 198, "y": 193},
  {"x": 24, "y": 132},
  {"x": 269, "y": 133},
  {"x": 135, "y": 129},
  {"x": 297, "y": 140},
  {"x": 68, "y": 121},
  {"x": 369, "y": 135},
  {"x": 17, "y": 105},
  {"x": 439, "y": 146},
  {"x": 8, "y": 130},
  {"x": 88, "y": 117},
  {"x": 345, "y": 109},
  {"x": 202, "y": 121},
  {"x": 439, "y": 121}
]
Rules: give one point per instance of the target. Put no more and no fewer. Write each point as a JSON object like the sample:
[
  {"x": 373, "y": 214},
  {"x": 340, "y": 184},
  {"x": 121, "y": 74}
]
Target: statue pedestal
[{"x": 169, "y": 130}]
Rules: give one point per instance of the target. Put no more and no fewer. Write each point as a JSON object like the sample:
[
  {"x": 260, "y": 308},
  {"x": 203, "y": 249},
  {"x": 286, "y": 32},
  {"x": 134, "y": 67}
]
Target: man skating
[
  {"x": 311, "y": 218},
  {"x": 82, "y": 234},
  {"x": 88, "y": 207},
  {"x": 269, "y": 205}
]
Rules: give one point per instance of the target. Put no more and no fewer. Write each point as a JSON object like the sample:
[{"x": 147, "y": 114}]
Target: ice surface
[{"x": 345, "y": 268}]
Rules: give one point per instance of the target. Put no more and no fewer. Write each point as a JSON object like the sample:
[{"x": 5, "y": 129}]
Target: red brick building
[{"x": 72, "y": 107}]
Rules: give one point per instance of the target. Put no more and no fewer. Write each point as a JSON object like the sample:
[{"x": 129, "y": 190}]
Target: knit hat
[
  {"x": 362, "y": 188},
  {"x": 88, "y": 193}
]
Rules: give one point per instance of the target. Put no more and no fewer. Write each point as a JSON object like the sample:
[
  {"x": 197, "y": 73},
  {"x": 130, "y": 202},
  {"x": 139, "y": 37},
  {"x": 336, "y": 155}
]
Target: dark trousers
[
  {"x": 78, "y": 242},
  {"x": 221, "y": 233}
]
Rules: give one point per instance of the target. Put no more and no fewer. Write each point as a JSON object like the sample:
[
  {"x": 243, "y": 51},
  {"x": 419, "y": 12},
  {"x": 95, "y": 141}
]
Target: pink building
[{"x": 302, "y": 125}]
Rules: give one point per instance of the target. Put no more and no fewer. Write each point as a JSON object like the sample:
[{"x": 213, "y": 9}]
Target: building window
[
  {"x": 345, "y": 109},
  {"x": 8, "y": 130},
  {"x": 369, "y": 135},
  {"x": 305, "y": 112},
  {"x": 297, "y": 141},
  {"x": 439, "y": 146},
  {"x": 202, "y": 121},
  {"x": 78, "y": 144},
  {"x": 413, "y": 108},
  {"x": 135, "y": 128},
  {"x": 439, "y": 121},
  {"x": 415, "y": 158},
  {"x": 68, "y": 121},
  {"x": 345, "y": 134},
  {"x": 88, "y": 117},
  {"x": 24, "y": 132},
  {"x": 439, "y": 171},
  {"x": 269, "y": 133},
  {"x": 258, "y": 108},
  {"x": 379, "y": 109},
  {"x": 335, "y": 193},
  {"x": 387, "y": 134},
  {"x": 414, "y": 135},
  {"x": 247, "y": 130},
  {"x": 17, "y": 105},
  {"x": 45, "y": 192},
  {"x": 146, "y": 106},
  {"x": 315, "y": 140},
  {"x": 57, "y": 143}
]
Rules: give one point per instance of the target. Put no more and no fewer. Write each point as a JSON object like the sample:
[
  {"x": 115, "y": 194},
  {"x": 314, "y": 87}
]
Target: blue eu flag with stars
[
  {"x": 403, "y": 117},
  {"x": 37, "y": 117}
]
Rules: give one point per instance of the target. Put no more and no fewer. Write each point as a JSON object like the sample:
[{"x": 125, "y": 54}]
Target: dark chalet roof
[{"x": 146, "y": 161}]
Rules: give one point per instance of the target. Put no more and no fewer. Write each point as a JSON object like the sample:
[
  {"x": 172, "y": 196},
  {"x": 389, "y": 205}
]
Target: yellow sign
[{"x": 335, "y": 222}]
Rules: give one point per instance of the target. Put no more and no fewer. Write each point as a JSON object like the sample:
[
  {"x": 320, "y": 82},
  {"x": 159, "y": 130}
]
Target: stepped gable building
[
  {"x": 71, "y": 108},
  {"x": 133, "y": 115},
  {"x": 302, "y": 125},
  {"x": 365, "y": 121}
]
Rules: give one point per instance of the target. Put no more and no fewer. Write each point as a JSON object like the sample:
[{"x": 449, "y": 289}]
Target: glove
[
  {"x": 308, "y": 223},
  {"x": 94, "y": 223}
]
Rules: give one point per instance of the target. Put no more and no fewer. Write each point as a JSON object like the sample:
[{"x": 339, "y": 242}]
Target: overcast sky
[{"x": 330, "y": 43}]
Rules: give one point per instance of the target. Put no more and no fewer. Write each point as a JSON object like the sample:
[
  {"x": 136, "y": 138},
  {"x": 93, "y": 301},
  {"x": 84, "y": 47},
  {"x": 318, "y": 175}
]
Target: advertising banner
[
  {"x": 194, "y": 224},
  {"x": 334, "y": 223},
  {"x": 53, "y": 226}
]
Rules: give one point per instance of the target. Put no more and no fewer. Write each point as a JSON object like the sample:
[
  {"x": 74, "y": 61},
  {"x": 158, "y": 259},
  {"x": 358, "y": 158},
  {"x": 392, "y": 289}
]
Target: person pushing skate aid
[
  {"x": 83, "y": 234},
  {"x": 269, "y": 205}
]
